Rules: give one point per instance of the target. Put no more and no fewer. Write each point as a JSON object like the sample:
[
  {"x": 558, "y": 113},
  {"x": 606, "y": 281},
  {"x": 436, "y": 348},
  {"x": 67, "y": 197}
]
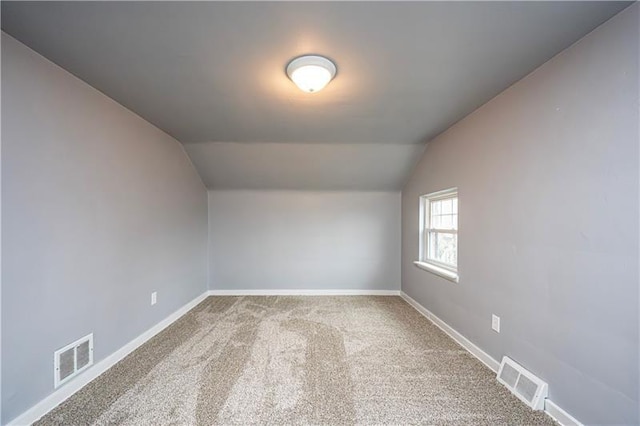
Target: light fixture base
[{"x": 311, "y": 73}]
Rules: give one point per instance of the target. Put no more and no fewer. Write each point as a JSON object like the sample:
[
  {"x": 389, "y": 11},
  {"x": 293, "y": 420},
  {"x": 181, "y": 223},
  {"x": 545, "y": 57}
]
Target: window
[{"x": 439, "y": 233}]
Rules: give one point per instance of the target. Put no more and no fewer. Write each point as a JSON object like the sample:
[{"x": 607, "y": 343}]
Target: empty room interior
[{"x": 320, "y": 213}]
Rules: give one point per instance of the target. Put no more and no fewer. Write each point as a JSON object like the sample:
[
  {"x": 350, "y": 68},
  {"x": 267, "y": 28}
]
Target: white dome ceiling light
[{"x": 311, "y": 73}]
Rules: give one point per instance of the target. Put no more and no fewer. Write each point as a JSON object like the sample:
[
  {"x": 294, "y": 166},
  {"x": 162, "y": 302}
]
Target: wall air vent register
[{"x": 72, "y": 360}]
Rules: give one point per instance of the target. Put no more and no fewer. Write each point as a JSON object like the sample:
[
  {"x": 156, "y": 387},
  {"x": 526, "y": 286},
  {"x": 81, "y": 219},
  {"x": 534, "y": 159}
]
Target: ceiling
[
  {"x": 212, "y": 75},
  {"x": 339, "y": 167}
]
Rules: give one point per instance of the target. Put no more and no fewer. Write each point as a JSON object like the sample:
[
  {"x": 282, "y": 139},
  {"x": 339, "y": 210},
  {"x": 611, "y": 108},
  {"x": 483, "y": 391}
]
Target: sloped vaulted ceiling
[{"x": 212, "y": 75}]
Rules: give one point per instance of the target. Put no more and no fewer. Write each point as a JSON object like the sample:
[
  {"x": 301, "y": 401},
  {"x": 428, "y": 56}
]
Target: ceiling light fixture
[{"x": 311, "y": 73}]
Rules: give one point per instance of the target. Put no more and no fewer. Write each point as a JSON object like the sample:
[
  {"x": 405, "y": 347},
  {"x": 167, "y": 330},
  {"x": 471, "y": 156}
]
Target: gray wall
[
  {"x": 304, "y": 240},
  {"x": 547, "y": 174},
  {"x": 100, "y": 208}
]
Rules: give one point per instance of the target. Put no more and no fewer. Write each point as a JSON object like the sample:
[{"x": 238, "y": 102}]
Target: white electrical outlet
[
  {"x": 154, "y": 298},
  {"x": 495, "y": 323}
]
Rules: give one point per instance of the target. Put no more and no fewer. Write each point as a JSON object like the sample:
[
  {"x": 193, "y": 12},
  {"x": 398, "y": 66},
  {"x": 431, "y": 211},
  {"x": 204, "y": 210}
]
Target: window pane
[
  {"x": 443, "y": 248},
  {"x": 446, "y": 222},
  {"x": 447, "y": 206},
  {"x": 439, "y": 241},
  {"x": 435, "y": 221},
  {"x": 435, "y": 208}
]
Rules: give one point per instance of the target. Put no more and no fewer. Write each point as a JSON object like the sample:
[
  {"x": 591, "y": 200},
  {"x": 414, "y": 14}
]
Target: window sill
[{"x": 446, "y": 274}]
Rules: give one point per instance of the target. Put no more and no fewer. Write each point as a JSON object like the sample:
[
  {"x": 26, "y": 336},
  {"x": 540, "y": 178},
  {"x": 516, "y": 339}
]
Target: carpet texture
[{"x": 297, "y": 360}]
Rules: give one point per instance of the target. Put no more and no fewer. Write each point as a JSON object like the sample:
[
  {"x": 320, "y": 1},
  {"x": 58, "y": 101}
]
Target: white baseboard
[
  {"x": 67, "y": 390},
  {"x": 559, "y": 415},
  {"x": 550, "y": 408},
  {"x": 286, "y": 292},
  {"x": 462, "y": 341},
  {"x": 60, "y": 395}
]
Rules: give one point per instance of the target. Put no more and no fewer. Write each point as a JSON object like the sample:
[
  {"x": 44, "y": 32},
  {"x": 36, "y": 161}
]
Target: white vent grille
[
  {"x": 72, "y": 359},
  {"x": 522, "y": 383}
]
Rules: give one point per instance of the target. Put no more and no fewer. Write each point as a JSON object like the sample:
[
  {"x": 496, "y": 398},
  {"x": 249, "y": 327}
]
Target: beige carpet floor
[{"x": 297, "y": 360}]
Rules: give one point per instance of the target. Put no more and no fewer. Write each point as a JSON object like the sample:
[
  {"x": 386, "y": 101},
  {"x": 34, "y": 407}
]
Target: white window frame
[{"x": 444, "y": 270}]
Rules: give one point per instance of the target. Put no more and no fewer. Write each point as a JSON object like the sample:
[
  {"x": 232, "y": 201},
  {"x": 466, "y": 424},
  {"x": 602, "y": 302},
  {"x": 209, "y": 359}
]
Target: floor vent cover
[
  {"x": 72, "y": 359},
  {"x": 522, "y": 383}
]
